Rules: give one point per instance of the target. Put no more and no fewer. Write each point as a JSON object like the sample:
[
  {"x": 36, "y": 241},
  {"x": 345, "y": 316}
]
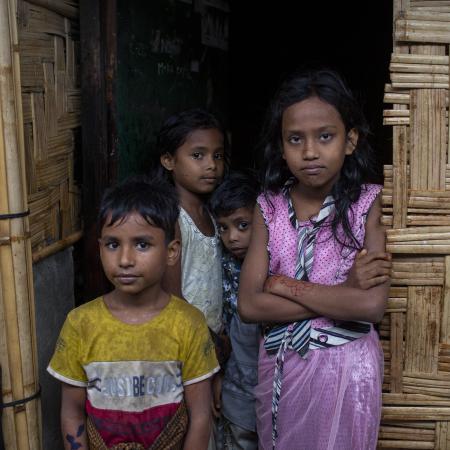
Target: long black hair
[{"x": 358, "y": 168}]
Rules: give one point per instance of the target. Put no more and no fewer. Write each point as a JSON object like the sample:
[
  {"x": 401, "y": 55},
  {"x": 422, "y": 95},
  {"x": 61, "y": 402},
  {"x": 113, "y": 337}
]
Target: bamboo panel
[
  {"x": 415, "y": 333},
  {"x": 21, "y": 424},
  {"x": 49, "y": 62}
]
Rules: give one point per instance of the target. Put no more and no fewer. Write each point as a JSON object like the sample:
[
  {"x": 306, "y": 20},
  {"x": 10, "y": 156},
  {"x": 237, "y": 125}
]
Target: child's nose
[
  {"x": 233, "y": 235},
  {"x": 309, "y": 150},
  {"x": 211, "y": 162},
  {"x": 126, "y": 257}
]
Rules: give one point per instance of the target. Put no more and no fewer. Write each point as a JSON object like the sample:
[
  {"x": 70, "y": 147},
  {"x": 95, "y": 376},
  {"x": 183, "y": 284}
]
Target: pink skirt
[{"x": 329, "y": 401}]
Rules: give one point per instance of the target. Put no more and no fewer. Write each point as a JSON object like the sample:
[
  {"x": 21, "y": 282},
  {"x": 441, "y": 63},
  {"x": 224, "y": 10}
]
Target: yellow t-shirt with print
[{"x": 134, "y": 374}]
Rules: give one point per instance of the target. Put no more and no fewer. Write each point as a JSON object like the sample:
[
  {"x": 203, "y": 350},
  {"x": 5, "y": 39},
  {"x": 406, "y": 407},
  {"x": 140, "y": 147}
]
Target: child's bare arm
[
  {"x": 254, "y": 304},
  {"x": 342, "y": 302},
  {"x": 171, "y": 281},
  {"x": 73, "y": 417},
  {"x": 198, "y": 403}
]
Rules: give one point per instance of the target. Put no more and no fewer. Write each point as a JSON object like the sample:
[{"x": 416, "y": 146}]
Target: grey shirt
[{"x": 241, "y": 371}]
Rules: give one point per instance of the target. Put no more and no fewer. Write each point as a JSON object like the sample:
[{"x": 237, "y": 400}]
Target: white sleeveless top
[{"x": 201, "y": 270}]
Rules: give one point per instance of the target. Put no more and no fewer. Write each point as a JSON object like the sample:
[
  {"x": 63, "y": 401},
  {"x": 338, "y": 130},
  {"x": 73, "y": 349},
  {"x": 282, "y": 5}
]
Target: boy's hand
[
  {"x": 216, "y": 401},
  {"x": 369, "y": 270}
]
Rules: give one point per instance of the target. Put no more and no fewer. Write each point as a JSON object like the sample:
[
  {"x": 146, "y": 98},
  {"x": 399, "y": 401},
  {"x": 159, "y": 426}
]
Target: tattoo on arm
[
  {"x": 72, "y": 439},
  {"x": 295, "y": 287}
]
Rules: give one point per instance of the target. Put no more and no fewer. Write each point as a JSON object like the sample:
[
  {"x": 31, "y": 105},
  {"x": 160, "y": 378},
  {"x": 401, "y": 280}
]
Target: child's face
[
  {"x": 134, "y": 254},
  {"x": 315, "y": 143},
  {"x": 197, "y": 166},
  {"x": 235, "y": 231}
]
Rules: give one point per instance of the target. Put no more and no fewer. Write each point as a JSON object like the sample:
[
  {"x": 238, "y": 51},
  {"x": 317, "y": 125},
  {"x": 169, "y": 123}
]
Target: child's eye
[
  {"x": 243, "y": 226},
  {"x": 221, "y": 229},
  {"x": 218, "y": 155},
  {"x": 197, "y": 155},
  {"x": 294, "y": 139},
  {"x": 142, "y": 245},
  {"x": 111, "y": 245},
  {"x": 325, "y": 136}
]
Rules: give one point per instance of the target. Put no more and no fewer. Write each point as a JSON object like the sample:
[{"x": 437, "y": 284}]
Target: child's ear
[
  {"x": 167, "y": 161},
  {"x": 352, "y": 141},
  {"x": 173, "y": 252}
]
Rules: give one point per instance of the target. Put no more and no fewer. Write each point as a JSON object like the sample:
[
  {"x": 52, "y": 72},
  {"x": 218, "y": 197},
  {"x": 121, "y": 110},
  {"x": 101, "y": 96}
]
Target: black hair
[
  {"x": 238, "y": 190},
  {"x": 358, "y": 168},
  {"x": 155, "y": 200},
  {"x": 176, "y": 129}
]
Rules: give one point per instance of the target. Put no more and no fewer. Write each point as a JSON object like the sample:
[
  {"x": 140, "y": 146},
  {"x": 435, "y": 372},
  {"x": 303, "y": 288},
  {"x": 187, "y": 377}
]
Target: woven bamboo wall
[
  {"x": 49, "y": 62},
  {"x": 416, "y": 199}
]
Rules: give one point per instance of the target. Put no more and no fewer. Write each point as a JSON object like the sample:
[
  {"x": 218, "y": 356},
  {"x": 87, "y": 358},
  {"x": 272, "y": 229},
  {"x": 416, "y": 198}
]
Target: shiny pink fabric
[{"x": 332, "y": 399}]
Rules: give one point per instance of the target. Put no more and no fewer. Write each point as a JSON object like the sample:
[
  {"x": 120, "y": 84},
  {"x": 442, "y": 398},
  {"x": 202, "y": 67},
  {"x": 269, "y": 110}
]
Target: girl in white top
[{"x": 192, "y": 149}]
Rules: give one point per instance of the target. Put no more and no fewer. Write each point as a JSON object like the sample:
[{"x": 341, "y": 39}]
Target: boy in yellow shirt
[{"x": 132, "y": 361}]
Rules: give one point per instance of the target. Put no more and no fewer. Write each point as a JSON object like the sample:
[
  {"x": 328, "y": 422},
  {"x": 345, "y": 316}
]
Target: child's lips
[
  {"x": 312, "y": 170},
  {"x": 126, "y": 278},
  {"x": 210, "y": 179},
  {"x": 239, "y": 251}
]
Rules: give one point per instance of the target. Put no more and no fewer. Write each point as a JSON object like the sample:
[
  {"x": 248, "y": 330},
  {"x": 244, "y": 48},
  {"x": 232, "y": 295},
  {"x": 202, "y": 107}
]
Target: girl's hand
[{"x": 369, "y": 269}]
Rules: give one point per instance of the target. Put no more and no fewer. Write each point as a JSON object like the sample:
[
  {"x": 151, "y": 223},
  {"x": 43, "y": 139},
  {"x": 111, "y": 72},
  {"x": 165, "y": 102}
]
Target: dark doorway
[{"x": 269, "y": 40}]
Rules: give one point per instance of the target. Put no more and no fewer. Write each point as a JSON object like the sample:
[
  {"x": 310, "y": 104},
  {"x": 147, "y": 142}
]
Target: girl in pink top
[{"x": 320, "y": 365}]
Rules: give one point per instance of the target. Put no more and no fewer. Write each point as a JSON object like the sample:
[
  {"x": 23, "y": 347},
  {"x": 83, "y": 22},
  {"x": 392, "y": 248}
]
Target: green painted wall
[{"x": 169, "y": 59}]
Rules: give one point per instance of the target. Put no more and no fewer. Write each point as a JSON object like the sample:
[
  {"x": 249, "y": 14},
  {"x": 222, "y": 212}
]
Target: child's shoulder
[
  {"x": 91, "y": 310},
  {"x": 186, "y": 313},
  {"x": 369, "y": 192},
  {"x": 271, "y": 201}
]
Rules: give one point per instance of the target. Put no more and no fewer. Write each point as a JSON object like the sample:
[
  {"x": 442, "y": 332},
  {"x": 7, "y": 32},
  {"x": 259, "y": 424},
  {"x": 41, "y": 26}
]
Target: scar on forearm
[{"x": 72, "y": 440}]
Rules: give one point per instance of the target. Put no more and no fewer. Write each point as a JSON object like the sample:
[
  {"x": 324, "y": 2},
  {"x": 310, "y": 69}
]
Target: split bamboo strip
[
  {"x": 59, "y": 7},
  {"x": 423, "y": 60},
  {"x": 21, "y": 423},
  {"x": 400, "y": 169},
  {"x": 418, "y": 68},
  {"x": 396, "y": 97},
  {"x": 413, "y": 79},
  {"x": 396, "y": 113},
  {"x": 445, "y": 329},
  {"x": 415, "y": 413}
]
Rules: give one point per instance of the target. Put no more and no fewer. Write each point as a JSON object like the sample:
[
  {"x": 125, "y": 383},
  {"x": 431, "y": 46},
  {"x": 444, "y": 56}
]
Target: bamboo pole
[
  {"x": 57, "y": 246},
  {"x": 18, "y": 358}
]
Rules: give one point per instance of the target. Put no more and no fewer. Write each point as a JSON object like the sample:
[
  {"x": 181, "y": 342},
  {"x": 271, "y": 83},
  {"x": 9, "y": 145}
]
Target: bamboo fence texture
[
  {"x": 39, "y": 198},
  {"x": 415, "y": 332},
  {"x": 18, "y": 361},
  {"x": 48, "y": 32}
]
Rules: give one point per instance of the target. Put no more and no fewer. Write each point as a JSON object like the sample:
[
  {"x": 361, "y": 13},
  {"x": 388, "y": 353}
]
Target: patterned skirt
[{"x": 170, "y": 438}]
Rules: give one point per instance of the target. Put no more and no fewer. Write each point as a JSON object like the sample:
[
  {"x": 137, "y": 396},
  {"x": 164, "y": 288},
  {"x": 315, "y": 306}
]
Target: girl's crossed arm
[
  {"x": 254, "y": 304},
  {"x": 343, "y": 302}
]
